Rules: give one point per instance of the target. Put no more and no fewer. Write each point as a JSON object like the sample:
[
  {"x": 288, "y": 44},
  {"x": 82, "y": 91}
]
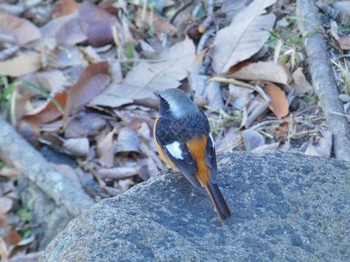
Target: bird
[{"x": 185, "y": 143}]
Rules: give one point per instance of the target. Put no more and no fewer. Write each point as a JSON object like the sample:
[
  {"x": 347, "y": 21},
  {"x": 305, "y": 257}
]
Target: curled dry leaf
[
  {"x": 269, "y": 71},
  {"x": 21, "y": 65},
  {"x": 48, "y": 111},
  {"x": 321, "y": 145},
  {"x": 105, "y": 149},
  {"x": 145, "y": 77},
  {"x": 127, "y": 141},
  {"x": 279, "y": 103},
  {"x": 77, "y": 146},
  {"x": 300, "y": 84},
  {"x": 244, "y": 37},
  {"x": 22, "y": 30}
]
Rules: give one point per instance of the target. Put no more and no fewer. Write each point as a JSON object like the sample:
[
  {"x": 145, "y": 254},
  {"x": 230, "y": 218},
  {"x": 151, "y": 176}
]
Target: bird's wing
[{"x": 176, "y": 151}]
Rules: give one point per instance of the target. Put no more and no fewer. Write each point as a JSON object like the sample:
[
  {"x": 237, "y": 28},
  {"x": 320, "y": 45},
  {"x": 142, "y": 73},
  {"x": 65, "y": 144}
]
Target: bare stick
[
  {"x": 323, "y": 77},
  {"x": 15, "y": 150}
]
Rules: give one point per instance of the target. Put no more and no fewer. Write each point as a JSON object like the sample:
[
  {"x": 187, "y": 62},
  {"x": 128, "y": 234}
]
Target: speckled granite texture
[{"x": 285, "y": 207}]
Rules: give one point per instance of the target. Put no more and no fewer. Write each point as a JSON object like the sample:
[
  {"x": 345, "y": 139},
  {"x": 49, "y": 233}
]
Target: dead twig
[
  {"x": 17, "y": 152},
  {"x": 323, "y": 78}
]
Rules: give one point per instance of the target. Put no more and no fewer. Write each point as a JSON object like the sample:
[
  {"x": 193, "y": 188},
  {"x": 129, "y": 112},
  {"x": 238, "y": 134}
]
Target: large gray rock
[{"x": 285, "y": 208}]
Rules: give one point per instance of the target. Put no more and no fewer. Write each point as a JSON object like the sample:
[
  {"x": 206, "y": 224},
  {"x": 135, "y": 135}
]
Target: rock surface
[{"x": 285, "y": 207}]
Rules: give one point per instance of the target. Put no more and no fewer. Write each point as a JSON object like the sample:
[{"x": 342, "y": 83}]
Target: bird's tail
[{"x": 218, "y": 200}]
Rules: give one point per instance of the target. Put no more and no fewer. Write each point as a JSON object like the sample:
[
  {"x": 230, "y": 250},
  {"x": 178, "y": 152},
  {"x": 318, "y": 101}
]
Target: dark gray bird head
[{"x": 176, "y": 102}]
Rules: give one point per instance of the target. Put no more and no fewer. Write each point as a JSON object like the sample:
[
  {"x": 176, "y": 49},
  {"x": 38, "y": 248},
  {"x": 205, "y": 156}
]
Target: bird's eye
[{"x": 165, "y": 103}]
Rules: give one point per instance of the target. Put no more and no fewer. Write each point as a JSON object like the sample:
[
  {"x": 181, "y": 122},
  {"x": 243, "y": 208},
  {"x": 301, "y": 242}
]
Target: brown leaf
[
  {"x": 244, "y": 37},
  {"x": 48, "y": 111},
  {"x": 92, "y": 81},
  {"x": 238, "y": 66},
  {"x": 300, "y": 84},
  {"x": 96, "y": 23},
  {"x": 20, "y": 65},
  {"x": 279, "y": 103},
  {"x": 268, "y": 71},
  {"x": 65, "y": 7},
  {"x": 21, "y": 29}
]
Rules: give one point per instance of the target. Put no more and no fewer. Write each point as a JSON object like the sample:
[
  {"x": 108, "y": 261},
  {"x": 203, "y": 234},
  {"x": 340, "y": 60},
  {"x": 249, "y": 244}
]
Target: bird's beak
[{"x": 157, "y": 94}]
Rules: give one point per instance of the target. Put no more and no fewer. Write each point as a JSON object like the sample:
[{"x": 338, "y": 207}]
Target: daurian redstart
[{"x": 185, "y": 143}]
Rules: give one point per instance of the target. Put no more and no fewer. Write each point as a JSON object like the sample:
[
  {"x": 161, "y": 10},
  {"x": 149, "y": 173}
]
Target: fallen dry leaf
[
  {"x": 342, "y": 6},
  {"x": 300, "y": 84},
  {"x": 65, "y": 29},
  {"x": 85, "y": 124},
  {"x": 214, "y": 96},
  {"x": 9, "y": 172},
  {"x": 22, "y": 30},
  {"x": 48, "y": 111},
  {"x": 344, "y": 42},
  {"x": 252, "y": 139},
  {"x": 144, "y": 78},
  {"x": 96, "y": 24},
  {"x": 265, "y": 149},
  {"x": 77, "y": 146},
  {"x": 92, "y": 81},
  {"x": 105, "y": 149},
  {"x": 279, "y": 103},
  {"x": 117, "y": 172},
  {"x": 268, "y": 71},
  {"x": 152, "y": 19},
  {"x": 229, "y": 141},
  {"x": 6, "y": 204},
  {"x": 127, "y": 141},
  {"x": 244, "y": 37},
  {"x": 65, "y": 7},
  {"x": 321, "y": 145},
  {"x": 21, "y": 65}
]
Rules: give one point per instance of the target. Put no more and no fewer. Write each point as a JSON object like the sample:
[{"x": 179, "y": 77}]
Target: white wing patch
[
  {"x": 174, "y": 150},
  {"x": 212, "y": 139}
]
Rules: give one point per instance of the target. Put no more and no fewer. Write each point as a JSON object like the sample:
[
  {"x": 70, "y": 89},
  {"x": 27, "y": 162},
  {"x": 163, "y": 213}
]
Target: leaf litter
[{"x": 94, "y": 68}]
